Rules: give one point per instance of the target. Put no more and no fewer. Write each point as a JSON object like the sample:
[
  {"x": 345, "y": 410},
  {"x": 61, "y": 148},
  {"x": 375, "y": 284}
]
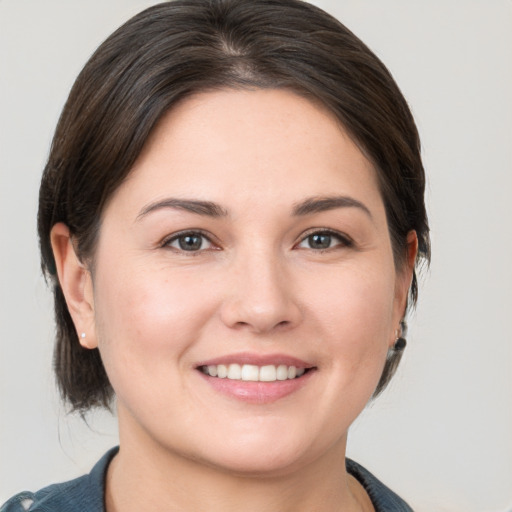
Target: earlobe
[
  {"x": 76, "y": 284},
  {"x": 407, "y": 271},
  {"x": 404, "y": 278},
  {"x": 412, "y": 250}
]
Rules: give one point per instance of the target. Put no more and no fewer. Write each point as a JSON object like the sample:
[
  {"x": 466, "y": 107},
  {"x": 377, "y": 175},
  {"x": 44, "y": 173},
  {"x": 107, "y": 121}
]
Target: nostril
[
  {"x": 259, "y": 312},
  {"x": 241, "y": 324},
  {"x": 280, "y": 325}
]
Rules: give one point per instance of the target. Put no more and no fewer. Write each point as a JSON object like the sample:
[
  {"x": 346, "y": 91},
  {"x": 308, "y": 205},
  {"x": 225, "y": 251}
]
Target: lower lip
[{"x": 257, "y": 392}]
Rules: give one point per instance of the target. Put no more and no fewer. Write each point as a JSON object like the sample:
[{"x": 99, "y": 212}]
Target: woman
[{"x": 231, "y": 215}]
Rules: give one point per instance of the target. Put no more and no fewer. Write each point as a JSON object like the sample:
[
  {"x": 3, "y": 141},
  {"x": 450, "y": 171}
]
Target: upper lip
[{"x": 257, "y": 360}]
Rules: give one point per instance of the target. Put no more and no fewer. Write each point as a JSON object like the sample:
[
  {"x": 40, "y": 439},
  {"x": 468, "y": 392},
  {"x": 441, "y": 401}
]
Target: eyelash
[
  {"x": 342, "y": 239},
  {"x": 190, "y": 233}
]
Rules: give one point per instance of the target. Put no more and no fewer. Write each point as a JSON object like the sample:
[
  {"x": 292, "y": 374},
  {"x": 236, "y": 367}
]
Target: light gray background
[{"x": 442, "y": 433}]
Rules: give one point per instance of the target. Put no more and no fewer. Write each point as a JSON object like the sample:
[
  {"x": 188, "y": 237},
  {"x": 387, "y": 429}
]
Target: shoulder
[
  {"x": 72, "y": 495},
  {"x": 383, "y": 498},
  {"x": 84, "y": 494}
]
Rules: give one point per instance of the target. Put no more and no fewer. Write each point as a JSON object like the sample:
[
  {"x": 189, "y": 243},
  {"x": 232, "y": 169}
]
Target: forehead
[{"x": 234, "y": 145}]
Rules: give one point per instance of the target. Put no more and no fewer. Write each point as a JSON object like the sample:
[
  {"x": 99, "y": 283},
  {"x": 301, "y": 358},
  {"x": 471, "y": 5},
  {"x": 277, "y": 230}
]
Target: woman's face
[{"x": 250, "y": 238}]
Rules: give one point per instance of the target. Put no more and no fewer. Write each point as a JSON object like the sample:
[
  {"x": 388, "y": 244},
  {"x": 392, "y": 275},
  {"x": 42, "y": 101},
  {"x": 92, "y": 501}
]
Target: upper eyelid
[
  {"x": 343, "y": 240},
  {"x": 327, "y": 231},
  {"x": 215, "y": 242},
  {"x": 174, "y": 236}
]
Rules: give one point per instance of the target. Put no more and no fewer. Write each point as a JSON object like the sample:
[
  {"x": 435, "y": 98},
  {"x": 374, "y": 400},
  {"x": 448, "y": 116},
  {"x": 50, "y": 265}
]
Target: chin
[
  {"x": 264, "y": 452},
  {"x": 270, "y": 462}
]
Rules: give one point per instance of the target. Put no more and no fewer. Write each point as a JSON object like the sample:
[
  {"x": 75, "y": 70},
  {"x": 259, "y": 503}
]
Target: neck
[{"x": 143, "y": 476}]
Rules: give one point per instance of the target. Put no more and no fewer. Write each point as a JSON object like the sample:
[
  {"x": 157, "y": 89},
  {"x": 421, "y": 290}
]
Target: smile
[
  {"x": 256, "y": 378},
  {"x": 253, "y": 373}
]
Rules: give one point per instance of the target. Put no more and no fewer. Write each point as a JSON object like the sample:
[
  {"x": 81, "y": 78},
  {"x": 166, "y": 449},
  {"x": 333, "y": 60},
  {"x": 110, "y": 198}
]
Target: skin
[{"x": 256, "y": 285}]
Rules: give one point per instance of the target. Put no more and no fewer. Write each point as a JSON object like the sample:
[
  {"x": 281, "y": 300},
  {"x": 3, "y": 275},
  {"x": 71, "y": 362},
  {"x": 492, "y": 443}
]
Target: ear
[
  {"x": 404, "y": 278},
  {"x": 76, "y": 284}
]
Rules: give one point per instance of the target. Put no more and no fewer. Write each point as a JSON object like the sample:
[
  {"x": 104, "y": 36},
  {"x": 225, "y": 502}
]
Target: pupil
[
  {"x": 320, "y": 241},
  {"x": 190, "y": 242}
]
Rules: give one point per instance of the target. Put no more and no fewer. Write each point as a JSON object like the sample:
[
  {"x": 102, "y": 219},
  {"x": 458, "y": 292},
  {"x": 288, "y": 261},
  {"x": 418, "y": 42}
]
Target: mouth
[
  {"x": 254, "y": 373},
  {"x": 256, "y": 378}
]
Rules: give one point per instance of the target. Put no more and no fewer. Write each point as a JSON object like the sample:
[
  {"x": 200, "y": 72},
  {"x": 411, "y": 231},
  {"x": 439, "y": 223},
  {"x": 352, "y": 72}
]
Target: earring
[
  {"x": 82, "y": 335},
  {"x": 400, "y": 344},
  {"x": 400, "y": 341}
]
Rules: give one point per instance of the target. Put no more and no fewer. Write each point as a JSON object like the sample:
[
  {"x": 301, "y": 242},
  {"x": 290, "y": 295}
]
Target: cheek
[
  {"x": 353, "y": 314},
  {"x": 145, "y": 321},
  {"x": 137, "y": 299},
  {"x": 357, "y": 302}
]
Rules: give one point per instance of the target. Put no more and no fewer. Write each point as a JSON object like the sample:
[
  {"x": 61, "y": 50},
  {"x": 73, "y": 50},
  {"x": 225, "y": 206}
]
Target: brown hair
[{"x": 179, "y": 48}]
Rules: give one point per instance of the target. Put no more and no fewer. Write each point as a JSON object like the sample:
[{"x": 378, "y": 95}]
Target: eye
[
  {"x": 322, "y": 240},
  {"x": 191, "y": 241}
]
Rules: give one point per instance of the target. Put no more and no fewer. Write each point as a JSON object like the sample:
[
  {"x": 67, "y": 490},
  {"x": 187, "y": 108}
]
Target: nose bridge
[{"x": 261, "y": 295}]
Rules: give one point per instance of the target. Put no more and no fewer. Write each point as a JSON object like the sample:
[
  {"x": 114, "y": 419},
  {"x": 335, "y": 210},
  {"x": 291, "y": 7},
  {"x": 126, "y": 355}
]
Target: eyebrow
[
  {"x": 322, "y": 204},
  {"x": 206, "y": 208}
]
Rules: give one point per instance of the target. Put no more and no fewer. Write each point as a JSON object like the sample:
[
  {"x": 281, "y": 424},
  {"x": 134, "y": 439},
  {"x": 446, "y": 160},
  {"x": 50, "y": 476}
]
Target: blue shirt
[{"x": 86, "y": 493}]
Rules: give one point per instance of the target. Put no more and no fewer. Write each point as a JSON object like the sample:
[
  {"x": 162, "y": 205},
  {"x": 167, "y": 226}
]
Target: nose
[{"x": 260, "y": 296}]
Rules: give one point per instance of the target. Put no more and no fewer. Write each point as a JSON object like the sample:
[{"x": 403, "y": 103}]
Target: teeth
[
  {"x": 268, "y": 373},
  {"x": 282, "y": 372},
  {"x": 234, "y": 372},
  {"x": 251, "y": 372}
]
